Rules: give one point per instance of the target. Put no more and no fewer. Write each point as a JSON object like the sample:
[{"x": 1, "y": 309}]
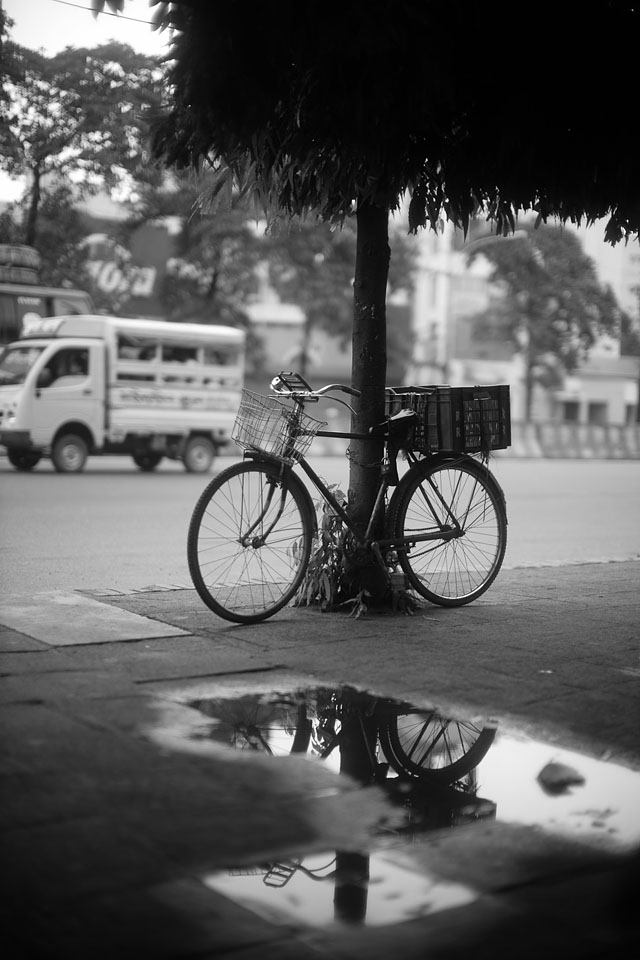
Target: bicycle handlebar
[
  {"x": 338, "y": 386},
  {"x": 295, "y": 385}
]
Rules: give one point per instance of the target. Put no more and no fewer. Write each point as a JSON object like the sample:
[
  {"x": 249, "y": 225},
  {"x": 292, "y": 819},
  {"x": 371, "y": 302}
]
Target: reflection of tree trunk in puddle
[
  {"x": 351, "y": 887},
  {"x": 357, "y": 758},
  {"x": 303, "y": 731}
]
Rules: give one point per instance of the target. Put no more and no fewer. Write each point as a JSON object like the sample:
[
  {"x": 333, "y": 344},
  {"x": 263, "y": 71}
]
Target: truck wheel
[
  {"x": 23, "y": 460},
  {"x": 69, "y": 453},
  {"x": 146, "y": 461},
  {"x": 198, "y": 454}
]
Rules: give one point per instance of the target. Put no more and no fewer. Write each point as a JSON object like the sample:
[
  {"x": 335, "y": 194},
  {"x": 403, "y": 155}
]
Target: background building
[{"x": 450, "y": 294}]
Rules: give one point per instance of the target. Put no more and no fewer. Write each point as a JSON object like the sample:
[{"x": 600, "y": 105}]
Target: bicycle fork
[{"x": 255, "y": 542}]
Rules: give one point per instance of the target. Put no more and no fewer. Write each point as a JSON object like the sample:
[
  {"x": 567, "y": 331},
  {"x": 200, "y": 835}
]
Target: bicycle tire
[
  {"x": 450, "y": 572},
  {"x": 249, "y": 583},
  {"x": 425, "y": 746}
]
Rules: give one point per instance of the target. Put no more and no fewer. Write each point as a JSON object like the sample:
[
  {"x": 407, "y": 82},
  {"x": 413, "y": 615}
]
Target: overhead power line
[{"x": 104, "y": 13}]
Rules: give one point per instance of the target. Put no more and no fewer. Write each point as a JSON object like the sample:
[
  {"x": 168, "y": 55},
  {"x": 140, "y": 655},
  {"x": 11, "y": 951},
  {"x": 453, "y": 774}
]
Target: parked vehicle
[
  {"x": 75, "y": 386},
  {"x": 23, "y": 296}
]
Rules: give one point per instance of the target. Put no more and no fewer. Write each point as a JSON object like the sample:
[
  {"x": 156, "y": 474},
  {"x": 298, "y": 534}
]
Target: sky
[{"x": 52, "y": 25}]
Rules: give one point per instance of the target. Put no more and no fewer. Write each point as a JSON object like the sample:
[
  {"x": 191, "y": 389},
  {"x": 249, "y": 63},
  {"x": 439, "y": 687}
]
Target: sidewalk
[{"x": 112, "y": 818}]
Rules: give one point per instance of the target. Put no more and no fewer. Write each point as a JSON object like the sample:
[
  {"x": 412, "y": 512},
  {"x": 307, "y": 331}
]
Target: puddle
[{"x": 437, "y": 773}]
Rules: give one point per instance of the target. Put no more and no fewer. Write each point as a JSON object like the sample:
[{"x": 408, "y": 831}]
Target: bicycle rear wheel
[
  {"x": 460, "y": 500},
  {"x": 426, "y": 746},
  {"x": 249, "y": 541}
]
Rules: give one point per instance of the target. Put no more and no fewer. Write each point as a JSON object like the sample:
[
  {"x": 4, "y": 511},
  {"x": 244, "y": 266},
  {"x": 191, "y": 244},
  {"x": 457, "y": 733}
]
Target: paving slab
[{"x": 58, "y": 618}]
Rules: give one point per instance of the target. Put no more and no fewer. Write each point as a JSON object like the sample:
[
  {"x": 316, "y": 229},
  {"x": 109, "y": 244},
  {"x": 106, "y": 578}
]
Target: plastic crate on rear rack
[{"x": 455, "y": 419}]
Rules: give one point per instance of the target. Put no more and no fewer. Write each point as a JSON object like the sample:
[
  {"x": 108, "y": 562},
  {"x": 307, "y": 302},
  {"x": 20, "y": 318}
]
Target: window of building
[
  {"x": 597, "y": 413},
  {"x": 571, "y": 411}
]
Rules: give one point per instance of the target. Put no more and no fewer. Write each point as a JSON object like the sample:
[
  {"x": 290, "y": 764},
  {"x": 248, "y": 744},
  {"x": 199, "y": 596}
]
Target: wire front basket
[{"x": 274, "y": 426}]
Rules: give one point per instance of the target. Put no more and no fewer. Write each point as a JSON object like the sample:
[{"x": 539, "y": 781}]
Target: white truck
[{"x": 75, "y": 386}]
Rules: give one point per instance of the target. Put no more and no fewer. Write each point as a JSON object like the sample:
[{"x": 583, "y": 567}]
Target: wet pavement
[{"x": 174, "y": 786}]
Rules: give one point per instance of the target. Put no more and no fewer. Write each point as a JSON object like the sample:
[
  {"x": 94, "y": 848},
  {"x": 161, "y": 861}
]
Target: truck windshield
[{"x": 15, "y": 362}]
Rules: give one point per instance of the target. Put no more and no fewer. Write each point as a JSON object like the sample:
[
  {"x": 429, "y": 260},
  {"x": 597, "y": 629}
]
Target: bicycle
[{"x": 252, "y": 529}]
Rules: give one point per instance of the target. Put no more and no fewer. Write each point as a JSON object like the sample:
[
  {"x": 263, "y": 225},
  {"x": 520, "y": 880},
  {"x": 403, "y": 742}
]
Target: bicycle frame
[{"x": 385, "y": 543}]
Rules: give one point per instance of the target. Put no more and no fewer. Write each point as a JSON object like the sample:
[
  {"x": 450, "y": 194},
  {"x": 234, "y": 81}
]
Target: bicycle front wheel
[
  {"x": 249, "y": 541},
  {"x": 461, "y": 506}
]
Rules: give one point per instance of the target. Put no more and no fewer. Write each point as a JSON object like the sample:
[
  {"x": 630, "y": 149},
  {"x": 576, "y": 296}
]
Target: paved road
[{"x": 115, "y": 527}]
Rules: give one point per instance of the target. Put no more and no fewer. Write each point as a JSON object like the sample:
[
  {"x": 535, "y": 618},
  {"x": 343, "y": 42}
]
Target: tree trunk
[
  {"x": 303, "y": 363},
  {"x": 369, "y": 368},
  {"x": 32, "y": 214},
  {"x": 528, "y": 390},
  {"x": 369, "y": 360}
]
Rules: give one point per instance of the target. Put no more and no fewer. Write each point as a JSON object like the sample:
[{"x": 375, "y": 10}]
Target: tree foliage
[
  {"x": 79, "y": 117},
  {"x": 498, "y": 105}
]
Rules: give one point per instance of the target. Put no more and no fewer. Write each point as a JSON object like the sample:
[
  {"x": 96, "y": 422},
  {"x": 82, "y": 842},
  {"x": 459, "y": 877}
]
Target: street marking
[{"x": 67, "y": 619}]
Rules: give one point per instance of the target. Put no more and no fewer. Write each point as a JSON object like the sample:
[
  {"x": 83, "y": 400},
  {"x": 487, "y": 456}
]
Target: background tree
[
  {"x": 5, "y": 53},
  {"x": 60, "y": 238},
  {"x": 213, "y": 273},
  {"x": 212, "y": 276},
  {"x": 553, "y": 306},
  {"x": 312, "y": 264},
  {"x": 61, "y": 241},
  {"x": 81, "y": 116}
]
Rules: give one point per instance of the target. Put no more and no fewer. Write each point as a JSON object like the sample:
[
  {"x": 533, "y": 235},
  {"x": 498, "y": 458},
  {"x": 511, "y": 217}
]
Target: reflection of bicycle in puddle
[
  {"x": 423, "y": 761},
  {"x": 372, "y": 736}
]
